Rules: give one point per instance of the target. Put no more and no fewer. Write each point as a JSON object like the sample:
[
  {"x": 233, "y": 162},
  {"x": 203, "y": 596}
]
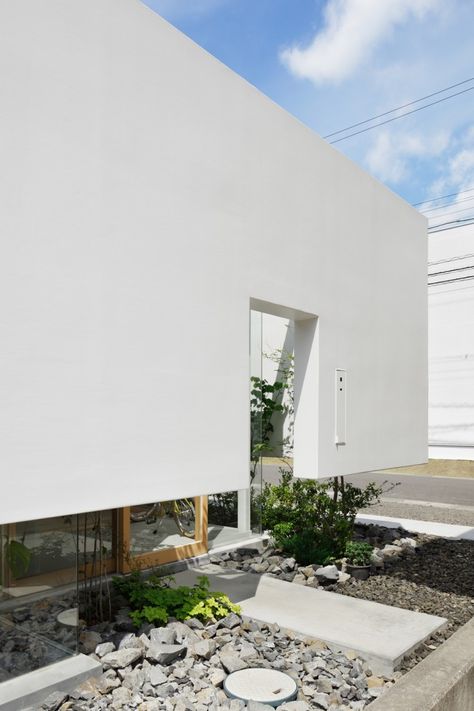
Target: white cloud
[
  {"x": 352, "y": 31},
  {"x": 458, "y": 176},
  {"x": 390, "y": 156}
]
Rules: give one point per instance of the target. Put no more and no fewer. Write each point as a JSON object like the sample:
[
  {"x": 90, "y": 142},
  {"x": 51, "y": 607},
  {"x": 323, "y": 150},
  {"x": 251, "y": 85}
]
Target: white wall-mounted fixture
[{"x": 341, "y": 400}]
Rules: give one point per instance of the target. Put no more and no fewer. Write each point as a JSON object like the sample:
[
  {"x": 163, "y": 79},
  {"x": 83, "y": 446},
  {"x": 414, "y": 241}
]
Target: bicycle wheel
[{"x": 185, "y": 517}]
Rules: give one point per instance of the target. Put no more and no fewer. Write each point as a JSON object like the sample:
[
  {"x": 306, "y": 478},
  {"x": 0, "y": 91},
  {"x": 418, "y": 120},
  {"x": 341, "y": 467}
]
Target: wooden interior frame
[
  {"x": 121, "y": 559},
  {"x": 125, "y": 560}
]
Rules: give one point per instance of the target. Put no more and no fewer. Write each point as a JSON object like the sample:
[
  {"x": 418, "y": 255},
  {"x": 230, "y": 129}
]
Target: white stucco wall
[
  {"x": 451, "y": 344},
  {"x": 147, "y": 193}
]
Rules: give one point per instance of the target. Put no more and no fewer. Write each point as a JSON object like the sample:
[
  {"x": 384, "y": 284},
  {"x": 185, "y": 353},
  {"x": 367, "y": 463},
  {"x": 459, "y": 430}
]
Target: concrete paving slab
[
  {"x": 431, "y": 528},
  {"x": 381, "y": 634},
  {"x": 30, "y": 690}
]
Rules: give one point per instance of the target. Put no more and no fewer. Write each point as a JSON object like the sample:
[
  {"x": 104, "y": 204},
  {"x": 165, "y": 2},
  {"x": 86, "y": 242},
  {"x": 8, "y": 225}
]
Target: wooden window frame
[{"x": 126, "y": 561}]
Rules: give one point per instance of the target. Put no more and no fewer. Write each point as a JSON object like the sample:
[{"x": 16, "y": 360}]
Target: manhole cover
[
  {"x": 68, "y": 617},
  {"x": 264, "y": 685}
]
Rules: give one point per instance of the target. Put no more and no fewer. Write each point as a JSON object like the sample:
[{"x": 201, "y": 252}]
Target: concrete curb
[
  {"x": 430, "y": 528},
  {"x": 30, "y": 690},
  {"x": 443, "y": 681}
]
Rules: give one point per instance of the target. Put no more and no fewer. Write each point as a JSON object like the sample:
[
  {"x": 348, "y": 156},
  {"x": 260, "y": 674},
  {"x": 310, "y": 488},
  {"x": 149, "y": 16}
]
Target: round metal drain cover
[{"x": 264, "y": 685}]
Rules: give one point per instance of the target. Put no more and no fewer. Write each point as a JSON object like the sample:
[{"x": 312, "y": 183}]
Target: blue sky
[{"x": 332, "y": 63}]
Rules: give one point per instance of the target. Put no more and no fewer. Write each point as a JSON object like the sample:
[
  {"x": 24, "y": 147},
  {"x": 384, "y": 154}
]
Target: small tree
[{"x": 311, "y": 520}]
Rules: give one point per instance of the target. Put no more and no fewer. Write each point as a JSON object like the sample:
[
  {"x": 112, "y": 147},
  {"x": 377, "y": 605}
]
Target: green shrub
[
  {"x": 154, "y": 600},
  {"x": 313, "y": 521},
  {"x": 358, "y": 553}
]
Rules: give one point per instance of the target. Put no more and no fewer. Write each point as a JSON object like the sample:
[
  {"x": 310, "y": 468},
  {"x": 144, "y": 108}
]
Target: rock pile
[
  {"x": 182, "y": 667},
  {"x": 270, "y": 562}
]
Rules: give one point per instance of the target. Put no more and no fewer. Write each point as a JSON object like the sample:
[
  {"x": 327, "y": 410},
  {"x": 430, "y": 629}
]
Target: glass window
[{"x": 38, "y": 594}]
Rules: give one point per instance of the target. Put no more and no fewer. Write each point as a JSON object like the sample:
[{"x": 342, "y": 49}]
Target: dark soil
[{"x": 437, "y": 579}]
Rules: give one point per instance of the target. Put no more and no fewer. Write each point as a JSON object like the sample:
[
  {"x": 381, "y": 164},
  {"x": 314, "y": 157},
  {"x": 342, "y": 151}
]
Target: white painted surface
[
  {"x": 451, "y": 344},
  {"x": 147, "y": 194},
  {"x": 431, "y": 528},
  {"x": 457, "y": 452}
]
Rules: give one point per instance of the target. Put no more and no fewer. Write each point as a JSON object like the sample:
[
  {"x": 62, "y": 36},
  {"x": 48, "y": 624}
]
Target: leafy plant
[
  {"x": 154, "y": 600},
  {"x": 358, "y": 553},
  {"x": 264, "y": 402},
  {"x": 311, "y": 520},
  {"x": 17, "y": 556}
]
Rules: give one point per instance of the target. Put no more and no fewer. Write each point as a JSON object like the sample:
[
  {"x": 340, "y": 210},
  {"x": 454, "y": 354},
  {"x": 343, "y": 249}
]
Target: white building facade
[
  {"x": 149, "y": 200},
  {"x": 451, "y": 343}
]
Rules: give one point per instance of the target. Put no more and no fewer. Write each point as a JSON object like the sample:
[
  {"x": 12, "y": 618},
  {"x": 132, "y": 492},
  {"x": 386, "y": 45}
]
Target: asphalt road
[{"x": 438, "y": 489}]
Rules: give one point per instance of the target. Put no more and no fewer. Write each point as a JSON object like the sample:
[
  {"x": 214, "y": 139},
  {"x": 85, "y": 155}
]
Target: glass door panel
[{"x": 163, "y": 531}]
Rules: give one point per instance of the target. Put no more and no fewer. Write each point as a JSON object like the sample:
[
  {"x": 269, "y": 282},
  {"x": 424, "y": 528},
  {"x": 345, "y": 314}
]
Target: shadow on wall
[{"x": 279, "y": 419}]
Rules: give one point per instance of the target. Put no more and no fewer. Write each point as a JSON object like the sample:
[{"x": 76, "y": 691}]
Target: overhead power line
[
  {"x": 442, "y": 197},
  {"x": 451, "y": 212},
  {"x": 454, "y": 223},
  {"x": 451, "y": 259},
  {"x": 407, "y": 113},
  {"x": 398, "y": 108},
  {"x": 454, "y": 203}
]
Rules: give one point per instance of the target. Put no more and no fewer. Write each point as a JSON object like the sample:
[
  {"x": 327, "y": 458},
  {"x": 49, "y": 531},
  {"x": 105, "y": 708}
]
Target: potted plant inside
[{"x": 358, "y": 559}]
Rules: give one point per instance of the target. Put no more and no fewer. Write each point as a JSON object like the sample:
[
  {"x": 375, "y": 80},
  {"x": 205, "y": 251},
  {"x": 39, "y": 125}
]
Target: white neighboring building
[{"x": 451, "y": 343}]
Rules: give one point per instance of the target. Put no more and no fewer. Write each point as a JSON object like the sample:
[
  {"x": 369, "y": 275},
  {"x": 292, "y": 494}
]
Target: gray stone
[
  {"x": 54, "y": 701},
  {"x": 162, "y": 635},
  {"x": 206, "y": 695},
  {"x": 299, "y": 579},
  {"x": 327, "y": 572},
  {"x": 237, "y": 705},
  {"x": 230, "y": 621},
  {"x": 130, "y": 641},
  {"x": 204, "y": 648},
  {"x": 122, "y": 658},
  {"x": 294, "y": 706},
  {"x": 321, "y": 701},
  {"x": 195, "y": 624},
  {"x": 165, "y": 653},
  {"x": 156, "y": 676},
  {"x": 324, "y": 685},
  {"x": 232, "y": 663},
  {"x": 216, "y": 676},
  {"x": 259, "y": 567},
  {"x": 106, "y": 684},
  {"x": 390, "y": 551},
  {"x": 183, "y": 633},
  {"x": 308, "y": 571},
  {"x": 376, "y": 559},
  {"x": 247, "y": 651},
  {"x": 134, "y": 680},
  {"x": 288, "y": 564},
  {"x": 257, "y": 706},
  {"x": 121, "y": 697},
  {"x": 343, "y": 578},
  {"x": 104, "y": 648}
]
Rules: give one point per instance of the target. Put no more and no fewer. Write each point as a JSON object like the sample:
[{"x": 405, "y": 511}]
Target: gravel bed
[
  {"x": 182, "y": 667},
  {"x": 438, "y": 580},
  {"x": 456, "y": 516},
  {"x": 412, "y": 571}
]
